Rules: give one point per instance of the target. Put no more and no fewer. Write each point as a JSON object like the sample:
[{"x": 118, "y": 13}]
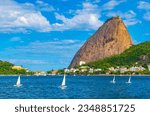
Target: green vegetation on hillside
[
  {"x": 6, "y": 69},
  {"x": 134, "y": 54}
]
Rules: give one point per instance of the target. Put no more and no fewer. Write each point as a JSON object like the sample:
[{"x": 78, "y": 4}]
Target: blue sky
[{"x": 45, "y": 34}]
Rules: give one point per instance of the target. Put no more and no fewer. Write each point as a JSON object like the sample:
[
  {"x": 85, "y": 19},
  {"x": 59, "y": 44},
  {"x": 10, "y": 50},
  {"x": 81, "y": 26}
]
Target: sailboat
[
  {"x": 63, "y": 84},
  {"x": 113, "y": 81},
  {"x": 129, "y": 80},
  {"x": 18, "y": 84}
]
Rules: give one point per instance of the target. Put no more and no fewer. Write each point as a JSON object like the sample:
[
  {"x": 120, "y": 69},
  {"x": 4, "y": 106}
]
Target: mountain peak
[
  {"x": 114, "y": 18},
  {"x": 110, "y": 39}
]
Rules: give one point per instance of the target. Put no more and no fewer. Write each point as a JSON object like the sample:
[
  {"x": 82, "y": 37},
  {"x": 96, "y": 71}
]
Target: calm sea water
[{"x": 78, "y": 87}]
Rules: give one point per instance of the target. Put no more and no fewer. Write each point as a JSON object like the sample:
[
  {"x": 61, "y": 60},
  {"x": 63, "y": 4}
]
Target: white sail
[
  {"x": 18, "y": 83},
  {"x": 129, "y": 80},
  {"x": 63, "y": 84},
  {"x": 64, "y": 81},
  {"x": 113, "y": 81}
]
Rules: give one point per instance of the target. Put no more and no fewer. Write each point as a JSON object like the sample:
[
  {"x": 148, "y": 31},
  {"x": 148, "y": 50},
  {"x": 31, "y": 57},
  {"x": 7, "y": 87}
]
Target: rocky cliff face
[{"x": 110, "y": 39}]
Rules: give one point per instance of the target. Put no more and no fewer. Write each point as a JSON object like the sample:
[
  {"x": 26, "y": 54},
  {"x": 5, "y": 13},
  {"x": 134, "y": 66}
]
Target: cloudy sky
[{"x": 45, "y": 34}]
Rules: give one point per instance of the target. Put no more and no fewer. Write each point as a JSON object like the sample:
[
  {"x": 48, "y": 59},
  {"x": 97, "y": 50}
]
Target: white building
[
  {"x": 98, "y": 69},
  {"x": 84, "y": 68},
  {"x": 81, "y": 63},
  {"x": 91, "y": 70},
  {"x": 134, "y": 69},
  {"x": 141, "y": 68},
  {"x": 74, "y": 70},
  {"x": 112, "y": 69},
  {"x": 123, "y": 69},
  {"x": 67, "y": 70}
]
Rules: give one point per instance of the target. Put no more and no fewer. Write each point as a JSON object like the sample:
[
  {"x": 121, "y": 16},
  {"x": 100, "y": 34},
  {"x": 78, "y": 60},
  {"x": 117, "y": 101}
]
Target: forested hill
[
  {"x": 6, "y": 69},
  {"x": 135, "y": 55}
]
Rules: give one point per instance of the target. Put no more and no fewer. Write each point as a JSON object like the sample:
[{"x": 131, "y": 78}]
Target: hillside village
[{"x": 111, "y": 70}]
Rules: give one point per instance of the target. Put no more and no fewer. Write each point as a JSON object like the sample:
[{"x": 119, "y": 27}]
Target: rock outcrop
[{"x": 110, "y": 39}]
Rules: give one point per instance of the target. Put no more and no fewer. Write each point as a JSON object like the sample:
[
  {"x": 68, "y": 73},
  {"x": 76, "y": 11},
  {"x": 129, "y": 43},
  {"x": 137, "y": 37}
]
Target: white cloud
[
  {"x": 133, "y": 21},
  {"x": 17, "y": 17},
  {"x": 143, "y": 5},
  {"x": 147, "y": 16},
  {"x": 128, "y": 14},
  {"x": 26, "y": 61},
  {"x": 128, "y": 17},
  {"x": 39, "y": 2},
  {"x": 15, "y": 39},
  {"x": 96, "y": 1},
  {"x": 86, "y": 18},
  {"x": 135, "y": 42},
  {"x": 59, "y": 47},
  {"x": 93, "y": 1},
  {"x": 43, "y": 6},
  {"x": 112, "y": 4},
  {"x": 56, "y": 43}
]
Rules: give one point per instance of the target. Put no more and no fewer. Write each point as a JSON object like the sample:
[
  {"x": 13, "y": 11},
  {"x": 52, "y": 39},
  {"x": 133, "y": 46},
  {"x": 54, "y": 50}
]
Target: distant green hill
[
  {"x": 6, "y": 69},
  {"x": 136, "y": 55}
]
